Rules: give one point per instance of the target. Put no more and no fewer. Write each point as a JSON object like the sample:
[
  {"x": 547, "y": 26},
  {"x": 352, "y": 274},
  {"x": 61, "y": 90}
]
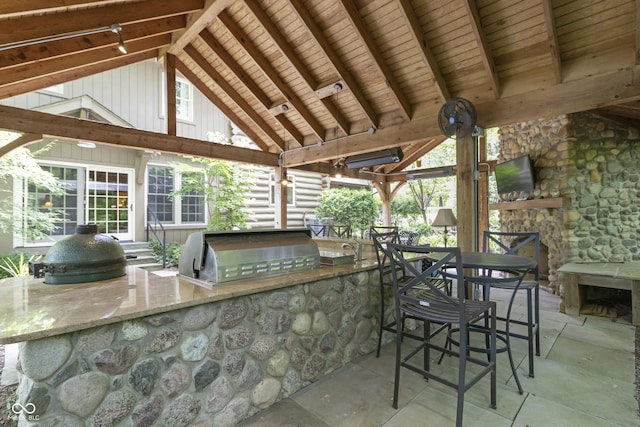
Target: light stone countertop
[{"x": 30, "y": 309}]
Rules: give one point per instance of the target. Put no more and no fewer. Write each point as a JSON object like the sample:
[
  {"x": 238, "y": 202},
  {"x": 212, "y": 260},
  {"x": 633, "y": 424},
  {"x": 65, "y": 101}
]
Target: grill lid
[
  {"x": 217, "y": 257},
  {"x": 85, "y": 256}
]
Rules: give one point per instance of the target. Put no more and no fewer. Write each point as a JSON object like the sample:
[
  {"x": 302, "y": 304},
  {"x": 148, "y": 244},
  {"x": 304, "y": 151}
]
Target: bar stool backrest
[{"x": 511, "y": 243}]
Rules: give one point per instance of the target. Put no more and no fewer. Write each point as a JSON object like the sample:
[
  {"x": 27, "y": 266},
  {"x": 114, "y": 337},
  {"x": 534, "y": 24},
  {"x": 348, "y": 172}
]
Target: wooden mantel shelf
[{"x": 555, "y": 202}]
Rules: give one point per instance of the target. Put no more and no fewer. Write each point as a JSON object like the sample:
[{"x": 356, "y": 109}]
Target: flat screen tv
[{"x": 515, "y": 175}]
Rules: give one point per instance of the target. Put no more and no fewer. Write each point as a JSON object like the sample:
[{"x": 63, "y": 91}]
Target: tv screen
[{"x": 514, "y": 175}]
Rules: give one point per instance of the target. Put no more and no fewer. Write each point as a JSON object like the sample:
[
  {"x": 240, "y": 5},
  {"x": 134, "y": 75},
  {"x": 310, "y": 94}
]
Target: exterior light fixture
[{"x": 116, "y": 28}]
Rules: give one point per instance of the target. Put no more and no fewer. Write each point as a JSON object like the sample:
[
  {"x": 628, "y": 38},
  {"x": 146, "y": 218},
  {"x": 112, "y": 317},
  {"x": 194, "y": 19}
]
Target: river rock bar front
[{"x": 158, "y": 348}]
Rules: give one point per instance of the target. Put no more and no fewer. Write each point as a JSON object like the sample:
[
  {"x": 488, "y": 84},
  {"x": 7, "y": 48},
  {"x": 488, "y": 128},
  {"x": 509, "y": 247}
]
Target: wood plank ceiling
[{"x": 314, "y": 81}]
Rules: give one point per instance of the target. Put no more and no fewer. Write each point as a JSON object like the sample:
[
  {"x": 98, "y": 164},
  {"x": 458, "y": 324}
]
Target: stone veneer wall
[
  {"x": 210, "y": 365},
  {"x": 546, "y": 142},
  {"x": 593, "y": 163},
  {"x": 603, "y": 189}
]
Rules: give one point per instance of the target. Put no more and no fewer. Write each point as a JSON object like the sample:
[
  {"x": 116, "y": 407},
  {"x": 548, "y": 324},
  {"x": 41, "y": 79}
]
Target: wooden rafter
[
  {"x": 13, "y": 8},
  {"x": 294, "y": 61},
  {"x": 231, "y": 115},
  {"x": 273, "y": 76},
  {"x": 413, "y": 152},
  {"x": 48, "y": 25},
  {"x": 61, "y": 64},
  {"x": 32, "y": 54},
  {"x": 336, "y": 62},
  {"x": 63, "y": 76},
  {"x": 376, "y": 56},
  {"x": 417, "y": 34},
  {"x": 218, "y": 79},
  {"x": 554, "y": 50},
  {"x": 485, "y": 53},
  {"x": 197, "y": 22},
  {"x": 249, "y": 83}
]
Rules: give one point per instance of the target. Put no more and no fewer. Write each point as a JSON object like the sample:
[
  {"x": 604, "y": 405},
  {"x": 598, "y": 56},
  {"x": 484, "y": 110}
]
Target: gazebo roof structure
[{"x": 301, "y": 78}]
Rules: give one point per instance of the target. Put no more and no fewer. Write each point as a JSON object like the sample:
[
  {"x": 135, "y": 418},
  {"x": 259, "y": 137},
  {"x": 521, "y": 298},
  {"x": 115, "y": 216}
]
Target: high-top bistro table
[{"x": 486, "y": 263}]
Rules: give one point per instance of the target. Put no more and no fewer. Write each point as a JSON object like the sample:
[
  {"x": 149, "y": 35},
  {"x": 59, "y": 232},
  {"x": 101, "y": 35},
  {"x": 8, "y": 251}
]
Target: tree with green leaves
[
  {"x": 356, "y": 208},
  {"x": 28, "y": 220},
  {"x": 225, "y": 186}
]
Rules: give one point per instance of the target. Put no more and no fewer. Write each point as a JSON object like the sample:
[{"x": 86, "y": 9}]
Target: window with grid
[
  {"x": 160, "y": 186},
  {"x": 192, "y": 203},
  {"x": 184, "y": 99},
  {"x": 63, "y": 205}
]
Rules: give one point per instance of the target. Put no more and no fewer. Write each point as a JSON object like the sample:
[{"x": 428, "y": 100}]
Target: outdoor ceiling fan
[{"x": 457, "y": 117}]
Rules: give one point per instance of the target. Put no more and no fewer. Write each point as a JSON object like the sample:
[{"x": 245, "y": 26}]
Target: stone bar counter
[{"x": 151, "y": 349}]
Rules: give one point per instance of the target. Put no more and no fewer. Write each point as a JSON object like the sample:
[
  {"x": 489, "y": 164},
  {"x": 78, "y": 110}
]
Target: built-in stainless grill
[{"x": 212, "y": 258}]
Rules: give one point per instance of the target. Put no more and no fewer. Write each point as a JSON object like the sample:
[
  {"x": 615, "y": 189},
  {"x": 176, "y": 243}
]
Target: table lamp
[{"x": 445, "y": 218}]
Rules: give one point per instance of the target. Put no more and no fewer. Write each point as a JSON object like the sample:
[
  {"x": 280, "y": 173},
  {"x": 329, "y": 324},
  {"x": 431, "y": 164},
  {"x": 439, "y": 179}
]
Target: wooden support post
[
  {"x": 385, "y": 194},
  {"x": 170, "y": 69},
  {"x": 483, "y": 190},
  {"x": 466, "y": 193},
  {"x": 280, "y": 204}
]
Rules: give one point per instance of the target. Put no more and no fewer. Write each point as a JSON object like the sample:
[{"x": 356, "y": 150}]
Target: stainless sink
[{"x": 335, "y": 258}]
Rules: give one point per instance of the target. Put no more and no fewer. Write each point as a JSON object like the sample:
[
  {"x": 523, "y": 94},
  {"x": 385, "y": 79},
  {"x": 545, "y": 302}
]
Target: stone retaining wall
[{"x": 210, "y": 365}]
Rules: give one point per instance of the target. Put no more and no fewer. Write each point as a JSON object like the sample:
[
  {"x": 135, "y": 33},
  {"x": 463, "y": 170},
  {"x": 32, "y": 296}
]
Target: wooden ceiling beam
[
  {"x": 29, "y": 121},
  {"x": 228, "y": 112},
  {"x": 272, "y": 74},
  {"x": 28, "y": 7},
  {"x": 363, "y": 32},
  {"x": 130, "y": 33},
  {"x": 68, "y": 62},
  {"x": 224, "y": 86},
  {"x": 335, "y": 61},
  {"x": 552, "y": 37},
  {"x": 197, "y": 22},
  {"x": 417, "y": 34},
  {"x": 485, "y": 52},
  {"x": 569, "y": 97},
  {"x": 48, "y": 25},
  {"x": 294, "y": 61},
  {"x": 24, "y": 139},
  {"x": 413, "y": 152},
  {"x": 249, "y": 83},
  {"x": 64, "y": 76}
]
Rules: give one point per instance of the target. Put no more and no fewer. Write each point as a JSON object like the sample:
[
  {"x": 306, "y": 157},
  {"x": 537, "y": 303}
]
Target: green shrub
[{"x": 173, "y": 252}]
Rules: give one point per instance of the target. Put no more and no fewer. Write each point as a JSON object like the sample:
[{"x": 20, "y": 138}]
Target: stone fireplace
[{"x": 593, "y": 165}]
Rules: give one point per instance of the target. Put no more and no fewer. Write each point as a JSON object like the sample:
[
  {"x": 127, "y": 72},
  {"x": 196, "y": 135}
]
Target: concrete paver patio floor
[{"x": 585, "y": 376}]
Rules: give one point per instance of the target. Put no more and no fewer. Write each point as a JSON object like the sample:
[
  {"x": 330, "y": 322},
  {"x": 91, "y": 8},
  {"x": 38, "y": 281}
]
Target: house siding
[{"x": 135, "y": 96}]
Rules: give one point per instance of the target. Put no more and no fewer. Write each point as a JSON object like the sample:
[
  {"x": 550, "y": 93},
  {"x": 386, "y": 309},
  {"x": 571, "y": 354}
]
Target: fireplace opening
[
  {"x": 543, "y": 267},
  {"x": 606, "y": 302}
]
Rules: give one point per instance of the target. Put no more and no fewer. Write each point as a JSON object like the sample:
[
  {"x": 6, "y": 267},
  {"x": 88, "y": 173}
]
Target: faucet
[{"x": 356, "y": 247}]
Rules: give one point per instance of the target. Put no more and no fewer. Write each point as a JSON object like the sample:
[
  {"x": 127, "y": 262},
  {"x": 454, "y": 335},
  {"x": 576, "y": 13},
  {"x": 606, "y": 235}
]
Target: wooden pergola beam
[
  {"x": 554, "y": 51},
  {"x": 485, "y": 52},
  {"x": 231, "y": 115},
  {"x": 569, "y": 97},
  {"x": 376, "y": 56},
  {"x": 423, "y": 46},
  {"x": 294, "y": 61},
  {"x": 339, "y": 67},
  {"x": 35, "y": 122}
]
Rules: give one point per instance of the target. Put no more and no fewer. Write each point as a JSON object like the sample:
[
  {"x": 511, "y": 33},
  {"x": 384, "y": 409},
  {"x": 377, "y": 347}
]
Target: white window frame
[
  {"x": 272, "y": 189},
  {"x": 177, "y": 201},
  {"x": 188, "y": 101}
]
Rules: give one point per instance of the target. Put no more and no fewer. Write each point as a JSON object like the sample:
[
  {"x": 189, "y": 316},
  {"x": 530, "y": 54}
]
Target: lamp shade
[{"x": 444, "y": 218}]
